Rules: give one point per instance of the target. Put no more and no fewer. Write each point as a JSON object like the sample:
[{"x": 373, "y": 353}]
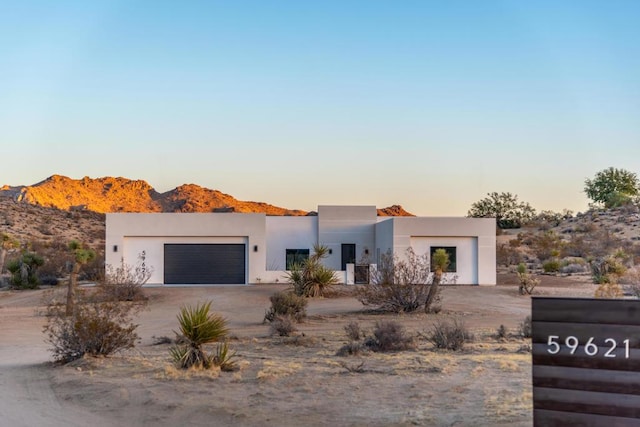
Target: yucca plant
[
  {"x": 312, "y": 278},
  {"x": 197, "y": 327},
  {"x": 224, "y": 358}
]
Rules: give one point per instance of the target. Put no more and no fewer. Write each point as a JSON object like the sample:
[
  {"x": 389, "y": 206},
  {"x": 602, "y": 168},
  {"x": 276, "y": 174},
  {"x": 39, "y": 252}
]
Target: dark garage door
[{"x": 195, "y": 264}]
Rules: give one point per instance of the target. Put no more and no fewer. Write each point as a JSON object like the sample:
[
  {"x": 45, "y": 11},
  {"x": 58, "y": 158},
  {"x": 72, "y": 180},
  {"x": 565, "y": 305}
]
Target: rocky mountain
[{"x": 108, "y": 194}]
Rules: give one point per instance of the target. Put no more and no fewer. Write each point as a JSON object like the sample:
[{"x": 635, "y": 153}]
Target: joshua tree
[
  {"x": 81, "y": 256},
  {"x": 6, "y": 242},
  {"x": 439, "y": 264}
]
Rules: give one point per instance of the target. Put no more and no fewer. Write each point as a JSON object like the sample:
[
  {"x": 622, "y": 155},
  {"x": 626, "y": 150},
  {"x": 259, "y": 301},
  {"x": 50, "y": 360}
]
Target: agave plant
[{"x": 197, "y": 327}]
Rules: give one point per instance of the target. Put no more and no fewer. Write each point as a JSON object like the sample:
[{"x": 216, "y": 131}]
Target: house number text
[{"x": 554, "y": 345}]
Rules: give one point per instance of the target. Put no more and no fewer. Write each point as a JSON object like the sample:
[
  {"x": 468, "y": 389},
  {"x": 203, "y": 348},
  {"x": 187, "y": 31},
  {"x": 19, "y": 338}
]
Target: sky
[{"x": 427, "y": 104}]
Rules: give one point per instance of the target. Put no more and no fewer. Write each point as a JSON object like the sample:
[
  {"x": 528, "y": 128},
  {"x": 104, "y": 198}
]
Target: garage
[{"x": 204, "y": 264}]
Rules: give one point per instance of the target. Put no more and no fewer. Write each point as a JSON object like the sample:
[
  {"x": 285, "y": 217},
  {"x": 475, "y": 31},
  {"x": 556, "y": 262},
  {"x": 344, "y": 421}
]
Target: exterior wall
[
  {"x": 384, "y": 238},
  {"x": 267, "y": 238},
  {"x": 482, "y": 229},
  {"x": 287, "y": 232},
  {"x": 466, "y": 256},
  {"x": 133, "y": 233},
  {"x": 346, "y": 224}
]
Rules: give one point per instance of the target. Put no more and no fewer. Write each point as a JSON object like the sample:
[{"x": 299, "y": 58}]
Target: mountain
[{"x": 109, "y": 194}]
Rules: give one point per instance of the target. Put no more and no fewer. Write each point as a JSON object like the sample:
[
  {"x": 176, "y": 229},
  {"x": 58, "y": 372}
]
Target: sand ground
[{"x": 281, "y": 381}]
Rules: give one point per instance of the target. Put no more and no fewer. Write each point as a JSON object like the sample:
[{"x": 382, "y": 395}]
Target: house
[{"x": 245, "y": 248}]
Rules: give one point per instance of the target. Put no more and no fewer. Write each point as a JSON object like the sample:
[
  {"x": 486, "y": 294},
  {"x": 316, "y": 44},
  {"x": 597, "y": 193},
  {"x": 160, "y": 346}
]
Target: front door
[{"x": 348, "y": 254}]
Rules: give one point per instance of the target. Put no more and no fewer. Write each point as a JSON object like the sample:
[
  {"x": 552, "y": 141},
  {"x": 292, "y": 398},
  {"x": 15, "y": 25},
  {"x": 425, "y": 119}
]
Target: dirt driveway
[{"x": 281, "y": 381}]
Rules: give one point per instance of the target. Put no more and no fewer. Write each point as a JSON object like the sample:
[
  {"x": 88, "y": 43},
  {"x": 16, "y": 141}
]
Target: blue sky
[{"x": 428, "y": 104}]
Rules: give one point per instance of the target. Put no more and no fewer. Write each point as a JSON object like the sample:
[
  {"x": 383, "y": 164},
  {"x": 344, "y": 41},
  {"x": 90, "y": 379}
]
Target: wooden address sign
[{"x": 586, "y": 362}]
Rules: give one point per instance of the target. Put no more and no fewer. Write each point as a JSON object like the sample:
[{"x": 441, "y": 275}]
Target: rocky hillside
[{"x": 108, "y": 194}]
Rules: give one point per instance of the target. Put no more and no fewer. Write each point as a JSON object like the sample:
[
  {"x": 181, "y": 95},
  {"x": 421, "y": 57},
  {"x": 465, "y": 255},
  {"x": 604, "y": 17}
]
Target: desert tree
[
  {"x": 505, "y": 208},
  {"x": 612, "y": 187},
  {"x": 7, "y": 242},
  {"x": 24, "y": 270},
  {"x": 80, "y": 257},
  {"x": 439, "y": 264}
]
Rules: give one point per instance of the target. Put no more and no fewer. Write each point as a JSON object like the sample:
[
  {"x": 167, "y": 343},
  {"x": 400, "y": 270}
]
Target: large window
[
  {"x": 296, "y": 257},
  {"x": 451, "y": 251}
]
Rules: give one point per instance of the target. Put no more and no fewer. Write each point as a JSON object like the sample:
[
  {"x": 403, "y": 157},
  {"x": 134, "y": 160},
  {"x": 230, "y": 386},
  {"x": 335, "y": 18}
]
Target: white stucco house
[{"x": 240, "y": 248}]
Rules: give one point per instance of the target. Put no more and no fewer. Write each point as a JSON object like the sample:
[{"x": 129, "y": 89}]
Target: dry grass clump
[{"x": 449, "y": 335}]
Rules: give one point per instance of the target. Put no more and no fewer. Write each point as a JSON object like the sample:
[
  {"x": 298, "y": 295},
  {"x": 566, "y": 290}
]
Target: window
[
  {"x": 451, "y": 251},
  {"x": 296, "y": 256}
]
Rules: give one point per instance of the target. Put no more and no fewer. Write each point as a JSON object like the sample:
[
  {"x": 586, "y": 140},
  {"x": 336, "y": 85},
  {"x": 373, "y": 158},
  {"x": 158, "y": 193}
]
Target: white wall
[
  {"x": 134, "y": 232},
  {"x": 287, "y": 232},
  {"x": 466, "y": 256},
  {"x": 346, "y": 224},
  {"x": 482, "y": 229}
]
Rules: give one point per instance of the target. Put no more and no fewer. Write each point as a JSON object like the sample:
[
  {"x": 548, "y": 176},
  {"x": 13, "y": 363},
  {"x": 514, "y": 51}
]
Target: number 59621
[{"x": 554, "y": 345}]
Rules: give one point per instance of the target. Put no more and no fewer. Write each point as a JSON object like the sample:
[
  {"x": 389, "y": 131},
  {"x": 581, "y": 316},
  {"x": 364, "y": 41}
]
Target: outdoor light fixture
[
  {"x": 115, "y": 248},
  {"x": 366, "y": 251},
  {"x": 255, "y": 248},
  {"x": 330, "y": 251}
]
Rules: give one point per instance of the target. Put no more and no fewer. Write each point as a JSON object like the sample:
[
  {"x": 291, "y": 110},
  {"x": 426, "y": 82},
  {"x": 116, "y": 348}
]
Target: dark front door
[
  {"x": 348, "y": 254},
  {"x": 211, "y": 264}
]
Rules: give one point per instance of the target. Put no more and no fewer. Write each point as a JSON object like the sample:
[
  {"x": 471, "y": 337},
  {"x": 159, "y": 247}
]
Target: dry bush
[
  {"x": 527, "y": 282},
  {"x": 283, "y": 326},
  {"x": 125, "y": 282},
  {"x": 286, "y": 304},
  {"x": 525, "y": 328},
  {"x": 449, "y": 335},
  {"x": 401, "y": 285},
  {"x": 631, "y": 278},
  {"x": 389, "y": 336},
  {"x": 609, "y": 290},
  {"x": 96, "y": 327},
  {"x": 353, "y": 331},
  {"x": 502, "y": 332}
]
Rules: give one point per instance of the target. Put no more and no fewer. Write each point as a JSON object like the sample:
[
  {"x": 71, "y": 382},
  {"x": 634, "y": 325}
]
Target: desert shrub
[
  {"x": 608, "y": 290},
  {"x": 125, "y": 282},
  {"x": 501, "y": 332},
  {"x": 551, "y": 266},
  {"x": 283, "y": 326},
  {"x": 525, "y": 328},
  {"x": 608, "y": 269},
  {"x": 96, "y": 328},
  {"x": 508, "y": 254},
  {"x": 94, "y": 269},
  {"x": 353, "y": 331},
  {"x": 389, "y": 336},
  {"x": 24, "y": 270},
  {"x": 288, "y": 304},
  {"x": 312, "y": 278},
  {"x": 547, "y": 245},
  {"x": 352, "y": 348},
  {"x": 449, "y": 335},
  {"x": 527, "y": 282},
  {"x": 573, "y": 268},
  {"x": 402, "y": 285},
  {"x": 198, "y": 326}
]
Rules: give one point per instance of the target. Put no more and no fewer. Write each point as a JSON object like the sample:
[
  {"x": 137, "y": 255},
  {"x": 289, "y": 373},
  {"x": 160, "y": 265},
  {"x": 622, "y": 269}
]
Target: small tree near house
[
  {"x": 81, "y": 256},
  {"x": 405, "y": 285}
]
